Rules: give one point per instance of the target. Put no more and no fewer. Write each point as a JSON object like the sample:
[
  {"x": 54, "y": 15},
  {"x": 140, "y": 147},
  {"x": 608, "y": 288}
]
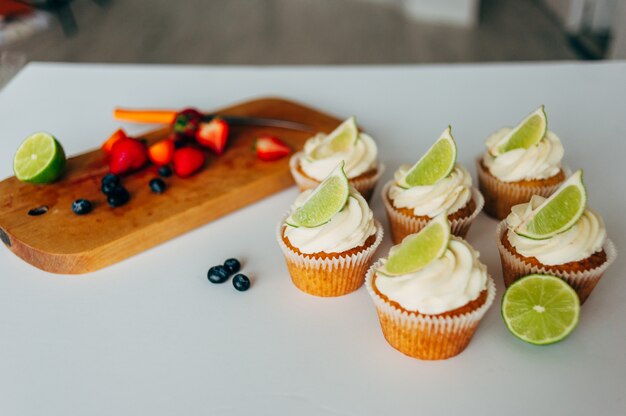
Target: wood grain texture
[{"x": 62, "y": 242}]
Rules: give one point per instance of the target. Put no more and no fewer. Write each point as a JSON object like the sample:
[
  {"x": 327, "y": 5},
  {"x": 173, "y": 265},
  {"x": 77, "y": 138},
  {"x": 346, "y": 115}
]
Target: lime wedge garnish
[
  {"x": 557, "y": 213},
  {"x": 39, "y": 159},
  {"x": 325, "y": 201},
  {"x": 339, "y": 140},
  {"x": 418, "y": 250},
  {"x": 540, "y": 309},
  {"x": 435, "y": 165},
  {"x": 526, "y": 134}
]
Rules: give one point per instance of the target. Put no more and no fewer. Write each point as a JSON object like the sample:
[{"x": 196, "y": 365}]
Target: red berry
[
  {"x": 213, "y": 135},
  {"x": 271, "y": 148},
  {"x": 187, "y": 161},
  {"x": 114, "y": 138},
  {"x": 126, "y": 155},
  {"x": 187, "y": 121},
  {"x": 162, "y": 152}
]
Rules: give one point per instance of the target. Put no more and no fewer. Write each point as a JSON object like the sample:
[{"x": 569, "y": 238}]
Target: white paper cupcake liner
[
  {"x": 403, "y": 225},
  {"x": 365, "y": 185},
  {"x": 334, "y": 276},
  {"x": 500, "y": 196},
  {"x": 583, "y": 282},
  {"x": 424, "y": 336}
]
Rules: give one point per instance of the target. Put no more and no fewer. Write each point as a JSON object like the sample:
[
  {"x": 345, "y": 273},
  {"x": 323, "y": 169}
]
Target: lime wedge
[
  {"x": 418, "y": 250},
  {"x": 540, "y": 309},
  {"x": 557, "y": 213},
  {"x": 526, "y": 134},
  {"x": 339, "y": 140},
  {"x": 39, "y": 159},
  {"x": 325, "y": 201},
  {"x": 435, "y": 165}
]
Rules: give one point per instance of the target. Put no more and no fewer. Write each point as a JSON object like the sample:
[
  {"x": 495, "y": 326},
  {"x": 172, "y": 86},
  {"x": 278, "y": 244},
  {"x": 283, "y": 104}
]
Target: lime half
[
  {"x": 435, "y": 165},
  {"x": 325, "y": 201},
  {"x": 39, "y": 159},
  {"x": 557, "y": 213},
  {"x": 526, "y": 134},
  {"x": 540, "y": 309},
  {"x": 339, "y": 140},
  {"x": 418, "y": 250}
]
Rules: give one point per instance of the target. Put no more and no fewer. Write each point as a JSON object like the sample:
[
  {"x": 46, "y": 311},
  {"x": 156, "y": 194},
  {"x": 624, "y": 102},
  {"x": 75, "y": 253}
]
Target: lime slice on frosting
[
  {"x": 339, "y": 140},
  {"x": 435, "y": 165},
  {"x": 557, "y": 213},
  {"x": 417, "y": 250},
  {"x": 526, "y": 134},
  {"x": 324, "y": 202},
  {"x": 540, "y": 309},
  {"x": 39, "y": 159}
]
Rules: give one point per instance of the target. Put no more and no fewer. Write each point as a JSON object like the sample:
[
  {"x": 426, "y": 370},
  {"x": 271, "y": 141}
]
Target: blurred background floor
[{"x": 293, "y": 32}]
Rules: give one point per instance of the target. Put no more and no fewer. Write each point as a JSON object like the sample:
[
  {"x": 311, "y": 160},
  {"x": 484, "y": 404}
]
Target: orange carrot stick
[{"x": 145, "y": 116}]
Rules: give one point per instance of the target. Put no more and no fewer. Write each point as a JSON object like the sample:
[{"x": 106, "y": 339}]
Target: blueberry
[
  {"x": 81, "y": 207},
  {"x": 119, "y": 197},
  {"x": 157, "y": 185},
  {"x": 217, "y": 274},
  {"x": 232, "y": 266},
  {"x": 165, "y": 171},
  {"x": 241, "y": 282},
  {"x": 110, "y": 178},
  {"x": 109, "y": 188}
]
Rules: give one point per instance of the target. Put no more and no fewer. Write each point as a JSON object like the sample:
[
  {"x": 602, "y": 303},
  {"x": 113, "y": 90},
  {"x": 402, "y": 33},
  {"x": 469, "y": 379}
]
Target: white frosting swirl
[
  {"x": 359, "y": 159},
  {"x": 541, "y": 161},
  {"x": 586, "y": 237},
  {"x": 449, "y": 194},
  {"x": 452, "y": 281},
  {"x": 348, "y": 229}
]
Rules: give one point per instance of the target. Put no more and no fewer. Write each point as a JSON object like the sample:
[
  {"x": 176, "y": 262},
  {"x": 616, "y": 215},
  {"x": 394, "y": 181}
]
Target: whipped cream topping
[
  {"x": 447, "y": 283},
  {"x": 348, "y": 229},
  {"x": 541, "y": 161},
  {"x": 586, "y": 237},
  {"x": 449, "y": 194},
  {"x": 359, "y": 159}
]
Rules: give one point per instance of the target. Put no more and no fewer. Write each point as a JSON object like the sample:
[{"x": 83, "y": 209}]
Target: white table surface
[{"x": 151, "y": 336}]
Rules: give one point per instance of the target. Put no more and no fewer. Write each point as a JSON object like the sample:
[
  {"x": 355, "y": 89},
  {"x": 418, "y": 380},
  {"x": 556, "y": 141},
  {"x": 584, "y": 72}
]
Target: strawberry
[
  {"x": 187, "y": 121},
  {"x": 162, "y": 152},
  {"x": 213, "y": 135},
  {"x": 108, "y": 144},
  {"x": 271, "y": 148},
  {"x": 126, "y": 155},
  {"x": 187, "y": 161}
]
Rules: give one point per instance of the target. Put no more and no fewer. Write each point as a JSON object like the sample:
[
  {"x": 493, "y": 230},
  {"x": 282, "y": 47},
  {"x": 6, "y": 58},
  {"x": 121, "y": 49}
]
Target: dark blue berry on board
[
  {"x": 232, "y": 266},
  {"x": 118, "y": 198},
  {"x": 165, "y": 171},
  {"x": 157, "y": 185},
  {"x": 110, "y": 178},
  {"x": 81, "y": 207},
  {"x": 241, "y": 282},
  {"x": 217, "y": 274}
]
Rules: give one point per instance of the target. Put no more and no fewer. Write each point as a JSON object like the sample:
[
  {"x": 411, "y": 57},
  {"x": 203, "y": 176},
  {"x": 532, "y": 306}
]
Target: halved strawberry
[
  {"x": 114, "y": 138},
  {"x": 126, "y": 155},
  {"x": 271, "y": 148},
  {"x": 162, "y": 152},
  {"x": 213, "y": 135},
  {"x": 187, "y": 161}
]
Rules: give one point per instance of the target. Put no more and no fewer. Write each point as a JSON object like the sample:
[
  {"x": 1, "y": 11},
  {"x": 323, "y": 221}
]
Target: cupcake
[
  {"x": 329, "y": 237},
  {"x": 418, "y": 193},
  {"x": 323, "y": 152},
  {"x": 519, "y": 163},
  {"x": 432, "y": 311},
  {"x": 579, "y": 253}
]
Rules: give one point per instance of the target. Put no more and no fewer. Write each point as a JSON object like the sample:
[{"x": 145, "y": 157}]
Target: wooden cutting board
[{"x": 60, "y": 241}]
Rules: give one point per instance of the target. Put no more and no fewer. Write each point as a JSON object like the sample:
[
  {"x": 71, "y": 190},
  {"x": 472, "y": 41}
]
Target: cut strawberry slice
[
  {"x": 213, "y": 135},
  {"x": 162, "y": 152},
  {"x": 114, "y": 138},
  {"x": 271, "y": 148},
  {"x": 126, "y": 155},
  {"x": 188, "y": 161}
]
